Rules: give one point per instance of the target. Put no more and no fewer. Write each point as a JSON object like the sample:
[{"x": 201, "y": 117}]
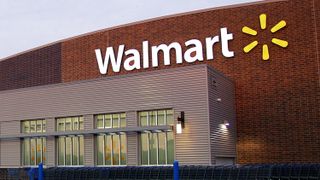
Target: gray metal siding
[
  {"x": 89, "y": 141},
  {"x": 132, "y": 139},
  {"x": 88, "y": 122},
  {"x": 51, "y": 142},
  {"x": 10, "y": 127},
  {"x": 10, "y": 148},
  {"x": 10, "y": 153},
  {"x": 51, "y": 152},
  {"x": 183, "y": 89},
  {"x": 132, "y": 149},
  {"x": 132, "y": 118},
  {"x": 89, "y": 150},
  {"x": 223, "y": 141},
  {"x": 50, "y": 125}
]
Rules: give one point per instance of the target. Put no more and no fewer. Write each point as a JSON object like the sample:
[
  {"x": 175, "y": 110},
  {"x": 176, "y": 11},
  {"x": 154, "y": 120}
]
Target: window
[
  {"x": 111, "y": 121},
  {"x": 33, "y": 126},
  {"x": 156, "y": 118},
  {"x": 157, "y": 148},
  {"x": 33, "y": 149},
  {"x": 112, "y": 149},
  {"x": 70, "y": 124},
  {"x": 70, "y": 148}
]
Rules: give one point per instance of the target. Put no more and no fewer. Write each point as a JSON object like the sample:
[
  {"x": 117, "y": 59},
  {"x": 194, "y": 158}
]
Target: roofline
[{"x": 258, "y": 2}]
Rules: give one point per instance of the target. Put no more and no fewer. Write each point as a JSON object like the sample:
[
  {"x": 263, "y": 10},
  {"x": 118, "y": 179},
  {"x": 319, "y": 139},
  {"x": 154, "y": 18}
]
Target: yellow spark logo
[{"x": 263, "y": 25}]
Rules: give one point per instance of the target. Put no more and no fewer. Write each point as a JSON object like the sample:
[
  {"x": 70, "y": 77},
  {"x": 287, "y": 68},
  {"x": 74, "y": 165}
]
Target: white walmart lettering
[{"x": 193, "y": 53}]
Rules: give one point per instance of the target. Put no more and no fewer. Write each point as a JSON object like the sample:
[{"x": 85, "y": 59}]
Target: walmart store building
[{"x": 237, "y": 84}]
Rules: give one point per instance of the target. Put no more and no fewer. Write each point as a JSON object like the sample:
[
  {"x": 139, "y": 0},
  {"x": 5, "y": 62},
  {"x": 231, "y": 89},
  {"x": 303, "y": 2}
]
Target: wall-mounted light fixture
[
  {"x": 225, "y": 124},
  {"x": 179, "y": 128},
  {"x": 180, "y": 124}
]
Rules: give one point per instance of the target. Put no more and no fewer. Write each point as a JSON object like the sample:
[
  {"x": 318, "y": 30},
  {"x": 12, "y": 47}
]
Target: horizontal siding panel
[
  {"x": 183, "y": 89},
  {"x": 51, "y": 152},
  {"x": 10, "y": 153},
  {"x": 131, "y": 118},
  {"x": 132, "y": 139},
  {"x": 89, "y": 150},
  {"x": 10, "y": 127},
  {"x": 101, "y": 95},
  {"x": 50, "y": 124},
  {"x": 223, "y": 141},
  {"x": 88, "y": 122},
  {"x": 132, "y": 144}
]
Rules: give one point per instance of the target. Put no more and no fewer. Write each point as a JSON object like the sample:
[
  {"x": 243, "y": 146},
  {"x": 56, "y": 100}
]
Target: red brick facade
[
  {"x": 34, "y": 68},
  {"x": 277, "y": 101}
]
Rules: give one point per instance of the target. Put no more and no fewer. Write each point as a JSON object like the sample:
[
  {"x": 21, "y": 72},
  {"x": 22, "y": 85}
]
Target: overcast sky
[{"x": 25, "y": 24}]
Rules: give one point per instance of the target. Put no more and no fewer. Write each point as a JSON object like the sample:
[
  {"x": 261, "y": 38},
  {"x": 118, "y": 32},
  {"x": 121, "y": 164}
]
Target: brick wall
[
  {"x": 277, "y": 101},
  {"x": 34, "y": 68}
]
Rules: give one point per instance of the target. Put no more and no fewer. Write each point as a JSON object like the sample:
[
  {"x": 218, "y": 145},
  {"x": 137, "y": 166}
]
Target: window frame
[
  {"x": 121, "y": 116},
  {"x": 112, "y": 135},
  {"x": 165, "y": 114},
  {"x": 43, "y": 152},
  {"x": 157, "y": 149},
  {"x": 78, "y": 137},
  {"x": 35, "y": 121},
  {"x": 43, "y": 155},
  {"x": 76, "y": 124},
  {"x": 166, "y": 120},
  {"x": 62, "y": 120}
]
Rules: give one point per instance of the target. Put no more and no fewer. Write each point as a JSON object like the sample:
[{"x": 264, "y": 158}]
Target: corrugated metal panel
[
  {"x": 10, "y": 127},
  {"x": 132, "y": 139},
  {"x": 89, "y": 141},
  {"x": 10, "y": 153},
  {"x": 51, "y": 143},
  {"x": 88, "y": 122},
  {"x": 50, "y": 125},
  {"x": 132, "y": 119},
  {"x": 88, "y": 150},
  {"x": 132, "y": 150},
  {"x": 223, "y": 140},
  {"x": 50, "y": 152},
  {"x": 183, "y": 89}
]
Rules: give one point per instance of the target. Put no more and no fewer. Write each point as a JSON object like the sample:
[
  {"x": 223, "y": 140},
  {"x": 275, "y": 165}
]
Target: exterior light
[
  {"x": 179, "y": 128},
  {"x": 218, "y": 99},
  {"x": 226, "y": 123},
  {"x": 180, "y": 123}
]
